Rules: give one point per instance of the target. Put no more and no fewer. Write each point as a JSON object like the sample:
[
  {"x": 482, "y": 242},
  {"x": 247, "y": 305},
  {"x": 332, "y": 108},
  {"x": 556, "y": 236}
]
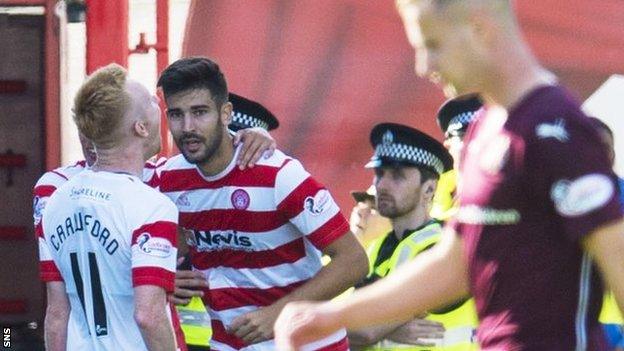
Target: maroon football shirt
[{"x": 533, "y": 183}]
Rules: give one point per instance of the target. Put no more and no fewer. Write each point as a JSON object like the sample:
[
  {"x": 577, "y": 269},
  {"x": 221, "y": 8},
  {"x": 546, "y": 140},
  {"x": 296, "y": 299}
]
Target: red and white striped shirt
[{"x": 256, "y": 234}]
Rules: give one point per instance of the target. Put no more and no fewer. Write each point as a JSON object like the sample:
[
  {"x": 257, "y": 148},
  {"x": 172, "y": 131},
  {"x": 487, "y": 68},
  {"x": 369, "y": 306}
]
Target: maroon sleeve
[{"x": 568, "y": 163}]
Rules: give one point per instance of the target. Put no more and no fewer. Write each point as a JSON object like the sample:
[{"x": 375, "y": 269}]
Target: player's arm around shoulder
[
  {"x": 57, "y": 316},
  {"x": 606, "y": 245}
]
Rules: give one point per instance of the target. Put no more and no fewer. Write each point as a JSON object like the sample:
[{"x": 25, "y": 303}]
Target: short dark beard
[{"x": 210, "y": 146}]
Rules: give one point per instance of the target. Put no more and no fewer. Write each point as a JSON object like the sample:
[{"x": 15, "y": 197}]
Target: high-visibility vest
[
  {"x": 460, "y": 323},
  {"x": 610, "y": 313},
  {"x": 195, "y": 322},
  {"x": 381, "y": 269},
  {"x": 445, "y": 203}
]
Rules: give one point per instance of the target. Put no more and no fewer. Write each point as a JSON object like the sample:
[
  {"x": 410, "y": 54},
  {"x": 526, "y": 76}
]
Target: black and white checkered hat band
[
  {"x": 248, "y": 120},
  {"x": 410, "y": 153},
  {"x": 461, "y": 120}
]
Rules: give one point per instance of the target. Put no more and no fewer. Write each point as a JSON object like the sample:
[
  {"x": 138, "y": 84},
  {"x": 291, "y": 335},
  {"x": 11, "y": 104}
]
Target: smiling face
[
  {"x": 445, "y": 45},
  {"x": 197, "y": 123}
]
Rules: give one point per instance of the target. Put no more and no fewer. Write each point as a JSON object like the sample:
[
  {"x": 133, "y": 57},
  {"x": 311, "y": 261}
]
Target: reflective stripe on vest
[{"x": 195, "y": 323}]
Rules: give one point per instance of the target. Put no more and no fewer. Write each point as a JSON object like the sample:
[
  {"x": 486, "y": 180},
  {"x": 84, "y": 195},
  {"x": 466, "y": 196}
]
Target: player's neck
[
  {"x": 409, "y": 221},
  {"x": 512, "y": 81},
  {"x": 121, "y": 159},
  {"x": 221, "y": 159}
]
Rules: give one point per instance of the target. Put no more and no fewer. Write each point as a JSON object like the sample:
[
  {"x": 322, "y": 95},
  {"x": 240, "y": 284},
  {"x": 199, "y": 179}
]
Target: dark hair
[
  {"x": 427, "y": 173},
  {"x": 194, "y": 73},
  {"x": 598, "y": 124}
]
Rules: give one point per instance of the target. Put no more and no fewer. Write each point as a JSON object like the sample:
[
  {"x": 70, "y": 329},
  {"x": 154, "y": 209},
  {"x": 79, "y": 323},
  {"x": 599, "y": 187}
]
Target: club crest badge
[
  {"x": 240, "y": 199},
  {"x": 387, "y": 138}
]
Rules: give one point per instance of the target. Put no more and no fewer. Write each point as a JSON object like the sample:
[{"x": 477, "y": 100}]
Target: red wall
[{"x": 330, "y": 70}]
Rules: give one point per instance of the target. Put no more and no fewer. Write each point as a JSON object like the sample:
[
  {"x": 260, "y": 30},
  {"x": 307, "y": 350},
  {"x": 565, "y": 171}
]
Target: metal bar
[{"x": 52, "y": 87}]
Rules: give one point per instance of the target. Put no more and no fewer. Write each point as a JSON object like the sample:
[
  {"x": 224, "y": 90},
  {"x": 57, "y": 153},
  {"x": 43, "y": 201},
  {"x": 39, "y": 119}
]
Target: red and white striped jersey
[
  {"x": 256, "y": 234},
  {"x": 107, "y": 233}
]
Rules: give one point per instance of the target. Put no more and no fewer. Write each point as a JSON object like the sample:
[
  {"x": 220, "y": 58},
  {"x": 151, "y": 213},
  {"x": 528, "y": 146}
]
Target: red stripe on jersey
[
  {"x": 60, "y": 175},
  {"x": 160, "y": 229},
  {"x": 153, "y": 276},
  {"x": 329, "y": 232},
  {"x": 190, "y": 179},
  {"x": 154, "y": 181},
  {"x": 177, "y": 328},
  {"x": 232, "y": 219},
  {"x": 48, "y": 272},
  {"x": 154, "y": 165},
  {"x": 221, "y": 335},
  {"x": 44, "y": 190},
  {"x": 39, "y": 230},
  {"x": 342, "y": 345},
  {"x": 292, "y": 205},
  {"x": 227, "y": 298},
  {"x": 238, "y": 259}
]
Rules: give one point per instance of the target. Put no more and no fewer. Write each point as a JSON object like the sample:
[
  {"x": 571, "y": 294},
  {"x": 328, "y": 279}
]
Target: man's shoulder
[
  {"x": 550, "y": 112},
  {"x": 277, "y": 160},
  {"x": 141, "y": 193},
  {"x": 174, "y": 163},
  {"x": 57, "y": 177},
  {"x": 429, "y": 232}
]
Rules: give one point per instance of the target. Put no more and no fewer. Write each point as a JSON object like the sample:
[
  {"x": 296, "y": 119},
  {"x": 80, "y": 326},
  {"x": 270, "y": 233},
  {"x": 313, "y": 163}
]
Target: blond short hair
[{"x": 100, "y": 104}]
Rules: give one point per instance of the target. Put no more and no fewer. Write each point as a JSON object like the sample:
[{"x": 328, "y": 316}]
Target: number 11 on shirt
[{"x": 99, "y": 308}]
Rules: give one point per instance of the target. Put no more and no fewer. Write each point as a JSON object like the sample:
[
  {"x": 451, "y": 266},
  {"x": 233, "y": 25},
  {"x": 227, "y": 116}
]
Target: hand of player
[
  {"x": 419, "y": 332},
  {"x": 187, "y": 285},
  {"x": 256, "y": 326},
  {"x": 256, "y": 143},
  {"x": 303, "y": 322}
]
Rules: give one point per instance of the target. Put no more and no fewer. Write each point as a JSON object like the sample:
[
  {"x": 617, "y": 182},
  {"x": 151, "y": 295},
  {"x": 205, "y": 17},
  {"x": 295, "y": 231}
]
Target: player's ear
[
  {"x": 140, "y": 129},
  {"x": 428, "y": 189},
  {"x": 226, "y": 113}
]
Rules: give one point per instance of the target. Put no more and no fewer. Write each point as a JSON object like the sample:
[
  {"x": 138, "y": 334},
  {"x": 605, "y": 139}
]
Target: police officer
[
  {"x": 248, "y": 114},
  {"x": 407, "y": 165},
  {"x": 454, "y": 117},
  {"x": 194, "y": 319}
]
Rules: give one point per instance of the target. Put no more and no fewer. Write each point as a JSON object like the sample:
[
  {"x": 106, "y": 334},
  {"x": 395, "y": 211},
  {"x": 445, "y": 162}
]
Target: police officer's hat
[
  {"x": 398, "y": 144},
  {"x": 247, "y": 114},
  {"x": 456, "y": 114}
]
